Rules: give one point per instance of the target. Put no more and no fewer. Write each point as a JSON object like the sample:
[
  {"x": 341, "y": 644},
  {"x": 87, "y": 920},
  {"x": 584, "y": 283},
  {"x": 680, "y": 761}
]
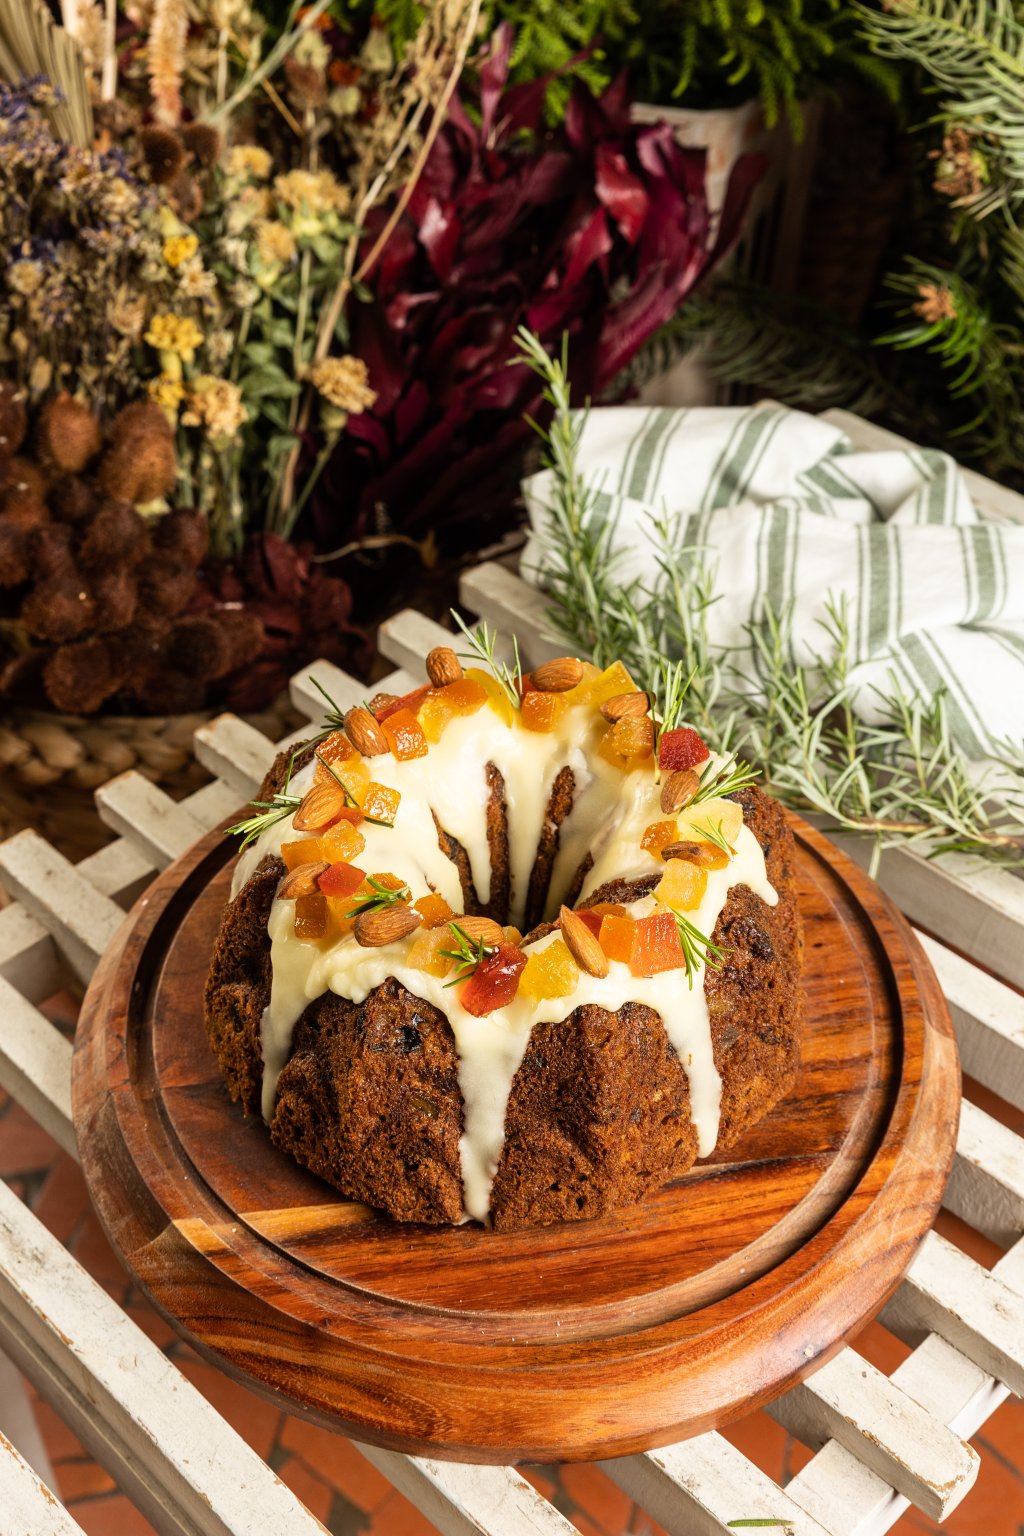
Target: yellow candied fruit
[
  {"x": 443, "y": 704},
  {"x": 311, "y": 916},
  {"x": 339, "y": 908},
  {"x": 434, "y": 910},
  {"x": 682, "y": 885},
  {"x": 512, "y": 934},
  {"x": 380, "y": 802},
  {"x": 497, "y": 698},
  {"x": 424, "y": 952},
  {"x": 583, "y": 691},
  {"x": 355, "y": 775},
  {"x": 610, "y": 683},
  {"x": 404, "y": 734},
  {"x": 335, "y": 751},
  {"x": 658, "y": 835},
  {"x": 551, "y": 973},
  {"x": 542, "y": 711},
  {"x": 306, "y": 852},
  {"x": 697, "y": 820},
  {"x": 341, "y": 843},
  {"x": 628, "y": 743}
]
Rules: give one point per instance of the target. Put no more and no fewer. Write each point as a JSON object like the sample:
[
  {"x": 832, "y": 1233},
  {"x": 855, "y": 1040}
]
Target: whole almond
[
  {"x": 319, "y": 807},
  {"x": 477, "y": 928},
  {"x": 364, "y": 733},
  {"x": 302, "y": 880},
  {"x": 679, "y": 789},
  {"x": 704, "y": 855},
  {"x": 381, "y": 701},
  {"x": 626, "y": 706},
  {"x": 443, "y": 666},
  {"x": 557, "y": 676},
  {"x": 386, "y": 926},
  {"x": 582, "y": 944}
]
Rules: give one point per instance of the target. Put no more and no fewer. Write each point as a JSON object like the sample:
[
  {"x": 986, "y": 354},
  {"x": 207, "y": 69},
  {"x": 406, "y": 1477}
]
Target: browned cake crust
[{"x": 599, "y": 1112}]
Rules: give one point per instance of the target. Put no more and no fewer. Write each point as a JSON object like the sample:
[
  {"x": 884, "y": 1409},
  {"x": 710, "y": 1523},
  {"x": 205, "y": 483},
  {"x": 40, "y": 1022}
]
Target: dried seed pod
[
  {"x": 58, "y": 608},
  {"x": 71, "y": 500},
  {"x": 557, "y": 676},
  {"x": 243, "y": 635},
  {"x": 116, "y": 594},
  {"x": 203, "y": 141},
  {"x": 582, "y": 943},
  {"x": 302, "y": 880},
  {"x": 704, "y": 855},
  {"x": 23, "y": 485},
  {"x": 138, "y": 470},
  {"x": 386, "y": 925},
  {"x": 477, "y": 928},
  {"x": 626, "y": 706},
  {"x": 117, "y": 535},
  {"x": 183, "y": 533},
  {"x": 67, "y": 435},
  {"x": 81, "y": 678},
  {"x": 166, "y": 692},
  {"x": 165, "y": 585},
  {"x": 197, "y": 644},
  {"x": 679, "y": 789},
  {"x": 320, "y": 806},
  {"x": 163, "y": 153},
  {"x": 50, "y": 547},
  {"x": 14, "y": 555},
  {"x": 364, "y": 733},
  {"x": 443, "y": 666}
]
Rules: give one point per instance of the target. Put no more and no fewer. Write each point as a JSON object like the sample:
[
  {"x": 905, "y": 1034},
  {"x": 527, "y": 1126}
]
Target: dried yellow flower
[
  {"x": 249, "y": 160},
  {"x": 174, "y": 333},
  {"x": 194, "y": 281},
  {"x": 934, "y": 304},
  {"x": 217, "y": 405},
  {"x": 25, "y": 277},
  {"x": 275, "y": 243},
  {"x": 127, "y": 313},
  {"x": 343, "y": 382},
  {"x": 168, "y": 392},
  {"x": 180, "y": 248},
  {"x": 318, "y": 191}
]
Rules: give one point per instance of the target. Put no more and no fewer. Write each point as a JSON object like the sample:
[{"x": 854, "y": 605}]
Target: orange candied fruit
[
  {"x": 682, "y": 885},
  {"x": 389, "y": 882},
  {"x": 405, "y": 735},
  {"x": 658, "y": 836},
  {"x": 493, "y": 692},
  {"x": 609, "y": 684},
  {"x": 310, "y": 916},
  {"x": 425, "y": 951},
  {"x": 616, "y": 937},
  {"x": 656, "y": 946},
  {"x": 434, "y": 910},
  {"x": 380, "y": 803},
  {"x": 334, "y": 750},
  {"x": 410, "y": 701},
  {"x": 629, "y": 742},
  {"x": 551, "y": 973},
  {"x": 306, "y": 852},
  {"x": 341, "y": 843},
  {"x": 443, "y": 704},
  {"x": 542, "y": 711}
]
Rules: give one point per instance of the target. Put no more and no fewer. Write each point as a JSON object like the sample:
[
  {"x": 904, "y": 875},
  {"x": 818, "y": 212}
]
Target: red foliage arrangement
[{"x": 599, "y": 230}]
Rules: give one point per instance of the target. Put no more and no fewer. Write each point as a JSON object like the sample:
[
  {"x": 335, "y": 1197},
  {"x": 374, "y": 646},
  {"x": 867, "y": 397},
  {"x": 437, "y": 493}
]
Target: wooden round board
[{"x": 564, "y": 1343}]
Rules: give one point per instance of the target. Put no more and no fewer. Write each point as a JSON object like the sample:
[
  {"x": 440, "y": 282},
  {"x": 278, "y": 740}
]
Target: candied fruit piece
[
  {"x": 610, "y": 683},
  {"x": 584, "y": 689},
  {"x": 389, "y": 882},
  {"x": 591, "y": 918},
  {"x": 682, "y": 885},
  {"x": 616, "y": 937},
  {"x": 443, "y": 704},
  {"x": 434, "y": 910},
  {"x": 306, "y": 852},
  {"x": 608, "y": 909},
  {"x": 496, "y": 695},
  {"x": 656, "y": 946},
  {"x": 405, "y": 735},
  {"x": 550, "y": 973},
  {"x": 629, "y": 742},
  {"x": 681, "y": 748},
  {"x": 310, "y": 916},
  {"x": 513, "y": 935},
  {"x": 333, "y": 751},
  {"x": 341, "y": 843},
  {"x": 542, "y": 711},
  {"x": 495, "y": 981},
  {"x": 425, "y": 952},
  {"x": 658, "y": 835},
  {"x": 710, "y": 815},
  {"x": 381, "y": 803},
  {"x": 341, "y": 879},
  {"x": 410, "y": 701},
  {"x": 340, "y": 907}
]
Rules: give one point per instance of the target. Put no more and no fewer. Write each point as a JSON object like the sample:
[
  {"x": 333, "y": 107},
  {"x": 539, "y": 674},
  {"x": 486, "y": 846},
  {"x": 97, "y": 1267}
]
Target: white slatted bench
[{"x": 880, "y": 1442}]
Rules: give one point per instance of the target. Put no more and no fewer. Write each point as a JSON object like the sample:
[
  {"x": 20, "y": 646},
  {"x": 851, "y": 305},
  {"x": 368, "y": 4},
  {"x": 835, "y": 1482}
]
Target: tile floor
[{"x": 330, "y": 1476}]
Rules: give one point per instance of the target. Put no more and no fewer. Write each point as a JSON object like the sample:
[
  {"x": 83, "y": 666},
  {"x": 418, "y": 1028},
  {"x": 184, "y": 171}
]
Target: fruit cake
[{"x": 508, "y": 949}]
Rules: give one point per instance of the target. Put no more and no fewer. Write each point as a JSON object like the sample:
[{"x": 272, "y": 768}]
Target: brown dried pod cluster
[{"x": 94, "y": 597}]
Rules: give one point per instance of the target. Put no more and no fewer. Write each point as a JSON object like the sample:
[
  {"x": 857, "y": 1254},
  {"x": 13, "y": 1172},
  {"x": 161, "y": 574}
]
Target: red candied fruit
[
  {"x": 341, "y": 880},
  {"x": 656, "y": 945},
  {"x": 410, "y": 701},
  {"x": 405, "y": 735},
  {"x": 592, "y": 919},
  {"x": 681, "y": 748},
  {"x": 495, "y": 981}
]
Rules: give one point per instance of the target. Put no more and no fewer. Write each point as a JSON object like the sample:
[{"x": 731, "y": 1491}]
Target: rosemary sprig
[
  {"x": 670, "y": 694},
  {"x": 270, "y": 813},
  {"x": 350, "y": 799},
  {"x": 728, "y": 780},
  {"x": 713, "y": 834},
  {"x": 382, "y": 898},
  {"x": 468, "y": 952},
  {"x": 483, "y": 642},
  {"x": 697, "y": 948}
]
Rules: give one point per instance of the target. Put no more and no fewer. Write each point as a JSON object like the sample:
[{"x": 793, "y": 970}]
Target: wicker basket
[{"x": 51, "y": 764}]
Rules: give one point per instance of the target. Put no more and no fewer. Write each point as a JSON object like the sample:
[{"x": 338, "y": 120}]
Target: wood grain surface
[{"x": 566, "y": 1343}]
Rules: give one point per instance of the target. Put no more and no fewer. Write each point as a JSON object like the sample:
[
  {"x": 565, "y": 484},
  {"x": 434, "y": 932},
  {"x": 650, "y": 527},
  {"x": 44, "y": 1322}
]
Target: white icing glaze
[{"x": 609, "y": 814}]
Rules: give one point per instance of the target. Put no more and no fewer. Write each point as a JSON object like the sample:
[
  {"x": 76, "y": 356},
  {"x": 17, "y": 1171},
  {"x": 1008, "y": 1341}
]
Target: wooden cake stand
[{"x": 564, "y": 1343}]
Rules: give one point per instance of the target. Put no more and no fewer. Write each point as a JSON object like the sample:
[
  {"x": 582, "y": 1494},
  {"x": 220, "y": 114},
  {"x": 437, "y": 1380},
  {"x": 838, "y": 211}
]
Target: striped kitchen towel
[{"x": 787, "y": 512}]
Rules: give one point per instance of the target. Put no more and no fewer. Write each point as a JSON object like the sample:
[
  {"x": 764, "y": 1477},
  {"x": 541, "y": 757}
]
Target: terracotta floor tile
[
  {"x": 962, "y": 1236},
  {"x": 113, "y": 1516},
  {"x": 540, "y": 1479},
  {"x": 992, "y": 1104},
  {"x": 880, "y": 1348},
  {"x": 63, "y": 1200},
  {"x": 92, "y": 1250},
  {"x": 761, "y": 1440},
  {"x": 24, "y": 1146},
  {"x": 397, "y": 1517},
  {"x": 61, "y": 1442},
  {"x": 255, "y": 1420},
  {"x": 314, "y": 1493},
  {"x": 593, "y": 1492},
  {"x": 336, "y": 1460},
  {"x": 588, "y": 1527},
  {"x": 82, "y": 1479}
]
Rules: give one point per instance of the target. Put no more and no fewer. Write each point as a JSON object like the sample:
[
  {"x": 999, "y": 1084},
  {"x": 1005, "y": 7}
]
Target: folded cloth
[{"x": 787, "y": 512}]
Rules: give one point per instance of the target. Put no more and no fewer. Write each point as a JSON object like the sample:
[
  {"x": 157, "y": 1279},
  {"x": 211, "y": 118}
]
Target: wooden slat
[
  {"x": 989, "y": 1021},
  {"x": 29, "y": 959},
  {"x": 161, "y": 828},
  {"x": 849, "y": 1401},
  {"x": 986, "y": 1187},
  {"x": 344, "y": 689},
  {"x": 35, "y": 1066},
  {"x": 81, "y": 920},
  {"x": 406, "y": 639},
  {"x": 19, "y": 1423},
  {"x": 27, "y": 1507},
  {"x": 496, "y": 594},
  {"x": 697, "y": 1487},
  {"x": 464, "y": 1500},
  {"x": 170, "y": 1451},
  {"x": 236, "y": 752}
]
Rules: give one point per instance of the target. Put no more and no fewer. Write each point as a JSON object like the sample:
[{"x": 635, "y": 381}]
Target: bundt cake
[{"x": 372, "y": 995}]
